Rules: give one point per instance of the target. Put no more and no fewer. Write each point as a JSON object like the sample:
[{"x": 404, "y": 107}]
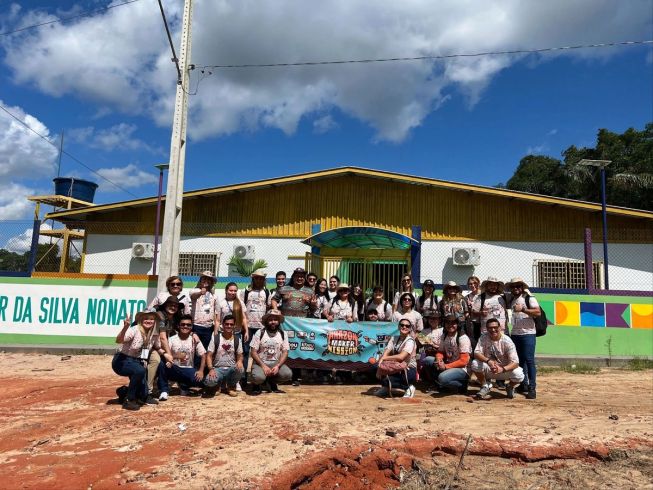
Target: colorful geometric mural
[
  {"x": 642, "y": 316},
  {"x": 617, "y": 315},
  {"x": 567, "y": 313},
  {"x": 592, "y": 314}
]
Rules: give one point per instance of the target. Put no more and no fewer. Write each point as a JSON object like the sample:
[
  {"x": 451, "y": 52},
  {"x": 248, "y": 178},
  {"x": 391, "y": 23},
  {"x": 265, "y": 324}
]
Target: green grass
[
  {"x": 639, "y": 364},
  {"x": 579, "y": 367},
  {"x": 544, "y": 370}
]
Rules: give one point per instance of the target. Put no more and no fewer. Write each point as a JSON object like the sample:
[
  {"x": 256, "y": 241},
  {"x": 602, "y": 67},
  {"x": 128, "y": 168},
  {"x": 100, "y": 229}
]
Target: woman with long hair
[
  {"x": 357, "y": 295},
  {"x": 231, "y": 305},
  {"x": 406, "y": 287},
  {"x": 428, "y": 301},
  {"x": 321, "y": 298},
  {"x": 379, "y": 305},
  {"x": 407, "y": 301},
  {"x": 473, "y": 292},
  {"x": 453, "y": 356},
  {"x": 400, "y": 349}
]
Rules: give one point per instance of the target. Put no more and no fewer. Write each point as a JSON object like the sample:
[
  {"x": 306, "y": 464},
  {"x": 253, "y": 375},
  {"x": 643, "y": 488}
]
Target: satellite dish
[
  {"x": 240, "y": 252},
  {"x": 461, "y": 256},
  {"x": 138, "y": 250}
]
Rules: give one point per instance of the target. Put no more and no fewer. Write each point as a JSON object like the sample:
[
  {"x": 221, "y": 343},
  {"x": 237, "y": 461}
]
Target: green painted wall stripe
[
  {"x": 22, "y": 338},
  {"x": 588, "y": 341}
]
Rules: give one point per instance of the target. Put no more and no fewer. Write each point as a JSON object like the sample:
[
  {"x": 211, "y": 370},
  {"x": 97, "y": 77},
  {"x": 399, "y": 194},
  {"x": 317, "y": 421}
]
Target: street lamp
[
  {"x": 602, "y": 164},
  {"x": 161, "y": 167}
]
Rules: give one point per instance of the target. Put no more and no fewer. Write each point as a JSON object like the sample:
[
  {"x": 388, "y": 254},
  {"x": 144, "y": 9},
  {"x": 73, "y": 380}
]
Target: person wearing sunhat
[
  {"x": 490, "y": 303},
  {"x": 269, "y": 349},
  {"x": 131, "y": 360},
  {"x": 342, "y": 307},
  {"x": 256, "y": 300},
  {"x": 524, "y": 309},
  {"x": 203, "y": 307}
]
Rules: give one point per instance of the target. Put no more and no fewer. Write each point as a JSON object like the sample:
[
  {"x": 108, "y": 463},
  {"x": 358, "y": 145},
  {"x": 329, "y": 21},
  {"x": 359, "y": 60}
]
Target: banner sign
[{"x": 321, "y": 344}]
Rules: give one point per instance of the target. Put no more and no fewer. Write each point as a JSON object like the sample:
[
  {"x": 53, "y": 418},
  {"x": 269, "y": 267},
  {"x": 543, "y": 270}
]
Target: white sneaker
[
  {"x": 163, "y": 396},
  {"x": 238, "y": 387},
  {"x": 410, "y": 392}
]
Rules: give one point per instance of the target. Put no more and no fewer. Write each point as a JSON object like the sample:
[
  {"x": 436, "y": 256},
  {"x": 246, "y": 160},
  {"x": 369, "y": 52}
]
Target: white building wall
[{"x": 631, "y": 265}]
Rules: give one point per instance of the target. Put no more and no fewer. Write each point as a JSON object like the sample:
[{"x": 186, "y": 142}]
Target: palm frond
[{"x": 626, "y": 181}]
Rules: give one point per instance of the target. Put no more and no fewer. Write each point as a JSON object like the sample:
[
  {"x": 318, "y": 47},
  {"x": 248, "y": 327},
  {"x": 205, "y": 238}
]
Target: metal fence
[{"x": 234, "y": 250}]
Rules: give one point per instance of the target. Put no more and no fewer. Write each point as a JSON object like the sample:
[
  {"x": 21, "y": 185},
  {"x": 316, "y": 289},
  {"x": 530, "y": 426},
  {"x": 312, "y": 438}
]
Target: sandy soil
[{"x": 60, "y": 427}]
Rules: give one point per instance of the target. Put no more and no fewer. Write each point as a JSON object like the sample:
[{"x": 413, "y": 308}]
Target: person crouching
[
  {"x": 225, "y": 359},
  {"x": 269, "y": 349},
  {"x": 131, "y": 360},
  {"x": 184, "y": 347},
  {"x": 495, "y": 357}
]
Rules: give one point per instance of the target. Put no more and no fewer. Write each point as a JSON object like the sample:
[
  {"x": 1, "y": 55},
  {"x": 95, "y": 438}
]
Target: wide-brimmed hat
[
  {"x": 494, "y": 280},
  {"x": 208, "y": 274},
  {"x": 149, "y": 312},
  {"x": 343, "y": 285},
  {"x": 272, "y": 313},
  {"x": 515, "y": 281},
  {"x": 259, "y": 273},
  {"x": 170, "y": 299},
  {"x": 451, "y": 285}
]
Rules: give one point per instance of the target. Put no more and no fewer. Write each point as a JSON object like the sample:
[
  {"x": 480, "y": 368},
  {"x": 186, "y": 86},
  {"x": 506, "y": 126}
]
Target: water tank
[{"x": 83, "y": 190}]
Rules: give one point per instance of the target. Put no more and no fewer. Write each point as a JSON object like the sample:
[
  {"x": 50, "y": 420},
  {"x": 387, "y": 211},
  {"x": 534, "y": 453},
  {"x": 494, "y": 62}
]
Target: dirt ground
[{"x": 61, "y": 428}]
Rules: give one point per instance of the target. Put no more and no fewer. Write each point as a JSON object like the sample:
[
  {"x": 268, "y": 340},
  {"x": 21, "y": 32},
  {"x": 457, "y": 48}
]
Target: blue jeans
[
  {"x": 229, "y": 374},
  {"x": 453, "y": 379},
  {"x": 525, "y": 346},
  {"x": 204, "y": 334},
  {"x": 185, "y": 376},
  {"x": 398, "y": 380},
  {"x": 124, "y": 365}
]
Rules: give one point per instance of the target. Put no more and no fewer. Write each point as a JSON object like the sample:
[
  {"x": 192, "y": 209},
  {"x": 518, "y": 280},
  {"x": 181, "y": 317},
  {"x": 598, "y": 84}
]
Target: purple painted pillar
[
  {"x": 416, "y": 255},
  {"x": 589, "y": 268}
]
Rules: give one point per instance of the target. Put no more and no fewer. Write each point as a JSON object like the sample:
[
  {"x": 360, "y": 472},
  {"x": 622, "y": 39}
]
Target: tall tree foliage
[{"x": 629, "y": 178}]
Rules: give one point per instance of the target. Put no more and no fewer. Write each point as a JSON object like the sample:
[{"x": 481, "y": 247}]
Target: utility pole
[{"x": 169, "y": 260}]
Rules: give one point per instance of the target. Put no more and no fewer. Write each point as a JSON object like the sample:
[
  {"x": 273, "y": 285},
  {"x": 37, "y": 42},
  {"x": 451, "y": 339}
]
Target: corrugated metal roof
[{"x": 81, "y": 213}]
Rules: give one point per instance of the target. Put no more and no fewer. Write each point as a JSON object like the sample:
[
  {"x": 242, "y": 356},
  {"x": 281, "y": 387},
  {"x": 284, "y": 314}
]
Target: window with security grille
[
  {"x": 193, "y": 264},
  {"x": 565, "y": 274}
]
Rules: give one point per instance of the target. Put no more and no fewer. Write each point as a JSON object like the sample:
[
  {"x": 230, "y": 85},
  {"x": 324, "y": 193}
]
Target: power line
[
  {"x": 432, "y": 57},
  {"x": 65, "y": 152},
  {"x": 83, "y": 14},
  {"x": 175, "y": 60}
]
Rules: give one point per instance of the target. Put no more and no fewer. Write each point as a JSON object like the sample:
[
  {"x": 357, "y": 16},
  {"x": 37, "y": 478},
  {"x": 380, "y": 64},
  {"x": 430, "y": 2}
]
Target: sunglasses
[
  {"x": 405, "y": 280},
  {"x": 404, "y": 325},
  {"x": 406, "y": 299},
  {"x": 175, "y": 284},
  {"x": 188, "y": 325}
]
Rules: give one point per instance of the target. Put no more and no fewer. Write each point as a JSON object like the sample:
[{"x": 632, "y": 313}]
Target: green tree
[{"x": 538, "y": 175}]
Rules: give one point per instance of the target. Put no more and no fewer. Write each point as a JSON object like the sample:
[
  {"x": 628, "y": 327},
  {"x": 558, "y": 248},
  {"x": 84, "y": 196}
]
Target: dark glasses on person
[
  {"x": 404, "y": 325},
  {"x": 186, "y": 325},
  {"x": 175, "y": 284}
]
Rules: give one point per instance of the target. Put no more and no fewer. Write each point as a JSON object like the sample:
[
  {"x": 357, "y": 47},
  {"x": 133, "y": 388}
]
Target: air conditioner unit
[
  {"x": 465, "y": 256},
  {"x": 245, "y": 252},
  {"x": 142, "y": 250}
]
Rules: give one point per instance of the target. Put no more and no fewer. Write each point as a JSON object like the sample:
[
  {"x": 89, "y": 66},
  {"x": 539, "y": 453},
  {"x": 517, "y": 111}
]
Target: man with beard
[{"x": 269, "y": 350}]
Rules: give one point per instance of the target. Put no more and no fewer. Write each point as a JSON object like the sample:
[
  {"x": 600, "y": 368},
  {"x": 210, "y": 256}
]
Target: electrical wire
[
  {"x": 65, "y": 152},
  {"x": 432, "y": 57},
  {"x": 83, "y": 14},
  {"x": 175, "y": 60}
]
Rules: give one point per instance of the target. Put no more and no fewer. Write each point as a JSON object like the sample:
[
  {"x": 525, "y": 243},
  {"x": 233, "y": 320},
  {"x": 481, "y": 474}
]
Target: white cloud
[
  {"x": 120, "y": 58},
  {"x": 23, "y": 242},
  {"x": 23, "y": 153},
  {"x": 117, "y": 137},
  {"x": 13, "y": 201},
  {"x": 324, "y": 124},
  {"x": 552, "y": 132},
  {"x": 126, "y": 177},
  {"x": 536, "y": 150}
]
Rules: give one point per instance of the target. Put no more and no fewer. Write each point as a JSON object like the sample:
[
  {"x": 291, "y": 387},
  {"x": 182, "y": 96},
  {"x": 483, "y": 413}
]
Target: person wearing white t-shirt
[
  {"x": 400, "y": 349},
  {"x": 184, "y": 347},
  {"x": 454, "y": 351},
  {"x": 524, "y": 309},
  {"x": 225, "y": 359},
  {"x": 407, "y": 310},
  {"x": 269, "y": 350},
  {"x": 495, "y": 358},
  {"x": 380, "y": 305}
]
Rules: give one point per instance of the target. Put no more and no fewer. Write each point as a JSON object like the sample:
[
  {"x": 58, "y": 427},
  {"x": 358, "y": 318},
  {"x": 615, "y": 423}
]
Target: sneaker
[
  {"x": 510, "y": 391},
  {"x": 256, "y": 390},
  {"x": 522, "y": 388},
  {"x": 531, "y": 395},
  {"x": 295, "y": 382},
  {"x": 131, "y": 405},
  {"x": 232, "y": 393},
  {"x": 238, "y": 387},
  {"x": 163, "y": 396},
  {"x": 383, "y": 391},
  {"x": 410, "y": 392},
  {"x": 484, "y": 392},
  {"x": 150, "y": 400},
  {"x": 122, "y": 393}
]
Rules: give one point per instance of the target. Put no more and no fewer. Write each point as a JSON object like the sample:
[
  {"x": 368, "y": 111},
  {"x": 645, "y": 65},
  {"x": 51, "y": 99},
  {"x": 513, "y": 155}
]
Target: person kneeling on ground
[
  {"x": 397, "y": 366},
  {"x": 495, "y": 358},
  {"x": 454, "y": 351},
  {"x": 132, "y": 358},
  {"x": 269, "y": 350},
  {"x": 225, "y": 357},
  {"x": 184, "y": 347}
]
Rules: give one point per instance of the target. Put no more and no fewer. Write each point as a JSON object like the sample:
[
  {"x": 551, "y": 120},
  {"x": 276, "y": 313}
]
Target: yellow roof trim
[{"x": 291, "y": 179}]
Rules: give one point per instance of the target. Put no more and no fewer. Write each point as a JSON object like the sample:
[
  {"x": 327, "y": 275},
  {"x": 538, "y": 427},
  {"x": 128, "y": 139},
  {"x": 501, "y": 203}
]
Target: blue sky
[{"x": 107, "y": 82}]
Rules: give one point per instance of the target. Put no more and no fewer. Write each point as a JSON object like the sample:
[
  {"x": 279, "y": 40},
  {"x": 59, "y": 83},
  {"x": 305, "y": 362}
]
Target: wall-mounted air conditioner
[{"x": 465, "y": 256}]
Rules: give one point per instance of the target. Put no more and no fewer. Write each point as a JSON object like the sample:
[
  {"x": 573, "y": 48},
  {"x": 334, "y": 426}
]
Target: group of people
[{"x": 199, "y": 340}]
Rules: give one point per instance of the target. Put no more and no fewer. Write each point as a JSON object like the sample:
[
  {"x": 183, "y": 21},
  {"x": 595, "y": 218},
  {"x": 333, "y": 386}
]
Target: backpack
[
  {"x": 246, "y": 295},
  {"x": 216, "y": 341},
  {"x": 540, "y": 322}
]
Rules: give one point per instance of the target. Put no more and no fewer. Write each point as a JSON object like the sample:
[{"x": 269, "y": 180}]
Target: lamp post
[
  {"x": 161, "y": 167},
  {"x": 602, "y": 164}
]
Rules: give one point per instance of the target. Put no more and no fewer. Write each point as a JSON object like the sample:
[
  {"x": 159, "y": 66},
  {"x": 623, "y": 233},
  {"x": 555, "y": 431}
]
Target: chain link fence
[{"x": 233, "y": 251}]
